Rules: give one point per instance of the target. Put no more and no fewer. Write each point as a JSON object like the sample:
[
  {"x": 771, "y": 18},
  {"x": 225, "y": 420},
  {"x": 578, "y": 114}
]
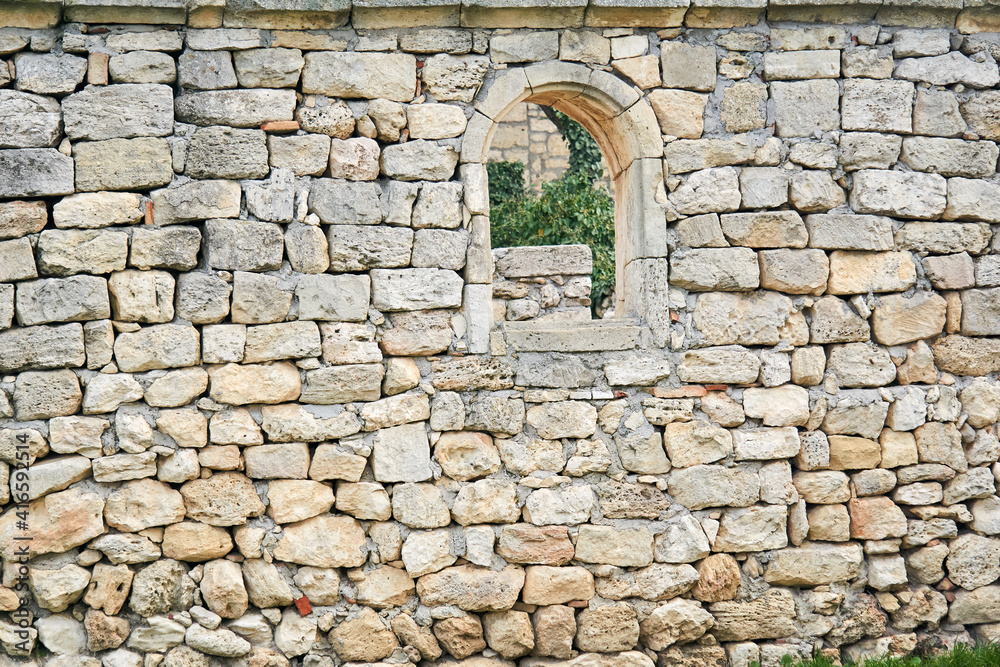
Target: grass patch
[{"x": 987, "y": 655}]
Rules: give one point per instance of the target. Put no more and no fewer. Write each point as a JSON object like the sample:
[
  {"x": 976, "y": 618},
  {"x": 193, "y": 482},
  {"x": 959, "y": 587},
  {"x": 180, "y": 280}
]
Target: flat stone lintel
[{"x": 593, "y": 336}]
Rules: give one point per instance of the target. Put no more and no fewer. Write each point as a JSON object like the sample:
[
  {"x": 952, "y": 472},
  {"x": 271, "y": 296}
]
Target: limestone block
[
  {"x": 472, "y": 588},
  {"x": 42, "y": 347},
  {"x": 815, "y": 564},
  {"x": 202, "y": 298},
  {"x": 438, "y": 248},
  {"x": 950, "y": 272},
  {"x": 48, "y": 73},
  {"x": 708, "y": 191},
  {"x": 196, "y": 200},
  {"x": 765, "y": 230},
  {"x": 139, "y": 110},
  {"x": 680, "y": 113},
  {"x": 951, "y": 157},
  {"x": 19, "y": 218},
  {"x": 419, "y": 160},
  {"x": 97, "y": 209},
  {"x": 979, "y": 311},
  {"x": 688, "y": 67},
  {"x": 936, "y": 113},
  {"x": 971, "y": 200},
  {"x": 794, "y": 65},
  {"x": 910, "y": 195},
  {"x": 725, "y": 269},
  {"x": 743, "y": 107},
  {"x": 756, "y": 528},
  {"x": 947, "y": 69},
  {"x": 343, "y": 384},
  {"x": 696, "y": 443},
  {"x": 286, "y": 340},
  {"x": 35, "y": 172},
  {"x": 435, "y": 121},
  {"x": 802, "y": 107},
  {"x": 794, "y": 271},
  {"x": 142, "y": 67},
  {"x": 402, "y": 454},
  {"x": 415, "y": 289},
  {"x": 752, "y": 319},
  {"x": 205, "y": 70},
  {"x": 814, "y": 191},
  {"x": 878, "y": 106},
  {"x": 258, "y": 298},
  {"x": 66, "y": 300},
  {"x": 486, "y": 501},
  {"x": 122, "y": 164},
  {"x": 524, "y": 47},
  {"x": 861, "y": 272},
  {"x": 873, "y": 63},
  {"x": 716, "y": 487},
  {"x": 244, "y": 245},
  {"x": 354, "y": 159},
  {"x": 29, "y": 121},
  {"x": 861, "y": 365},
  {"x": 689, "y": 155},
  {"x": 304, "y": 155},
  {"x": 60, "y": 521},
  {"x": 268, "y": 68},
  {"x": 223, "y": 152},
  {"x": 142, "y": 296},
  {"x": 365, "y": 75},
  {"x": 763, "y": 187},
  {"x": 242, "y": 385},
  {"x": 899, "y": 320},
  {"x": 235, "y": 108},
  {"x": 449, "y": 78},
  {"x": 868, "y": 150}
]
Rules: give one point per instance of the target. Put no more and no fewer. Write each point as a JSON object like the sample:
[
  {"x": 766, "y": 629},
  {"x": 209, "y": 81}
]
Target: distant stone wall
[{"x": 263, "y": 401}]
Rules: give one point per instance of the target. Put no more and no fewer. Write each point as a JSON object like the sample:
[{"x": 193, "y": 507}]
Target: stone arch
[{"x": 624, "y": 126}]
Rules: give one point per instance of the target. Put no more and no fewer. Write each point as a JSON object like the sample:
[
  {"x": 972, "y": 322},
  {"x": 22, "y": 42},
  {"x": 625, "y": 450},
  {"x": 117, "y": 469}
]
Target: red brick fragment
[
  {"x": 280, "y": 126},
  {"x": 97, "y": 69},
  {"x": 302, "y": 604}
]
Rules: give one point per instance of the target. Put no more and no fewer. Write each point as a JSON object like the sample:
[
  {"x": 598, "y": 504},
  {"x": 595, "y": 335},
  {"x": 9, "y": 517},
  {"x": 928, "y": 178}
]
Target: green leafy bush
[{"x": 574, "y": 208}]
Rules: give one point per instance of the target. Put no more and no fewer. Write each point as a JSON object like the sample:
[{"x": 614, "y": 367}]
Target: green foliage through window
[{"x": 574, "y": 208}]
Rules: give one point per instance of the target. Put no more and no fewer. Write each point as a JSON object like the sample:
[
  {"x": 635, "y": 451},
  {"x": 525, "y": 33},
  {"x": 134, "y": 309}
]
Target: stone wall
[
  {"x": 542, "y": 283},
  {"x": 254, "y": 410}
]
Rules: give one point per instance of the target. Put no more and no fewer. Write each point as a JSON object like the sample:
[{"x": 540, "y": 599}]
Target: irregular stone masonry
[{"x": 245, "y": 339}]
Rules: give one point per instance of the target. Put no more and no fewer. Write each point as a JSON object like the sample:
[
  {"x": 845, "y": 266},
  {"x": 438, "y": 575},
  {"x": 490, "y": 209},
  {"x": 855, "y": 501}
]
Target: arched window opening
[
  {"x": 550, "y": 186},
  {"x": 625, "y": 128}
]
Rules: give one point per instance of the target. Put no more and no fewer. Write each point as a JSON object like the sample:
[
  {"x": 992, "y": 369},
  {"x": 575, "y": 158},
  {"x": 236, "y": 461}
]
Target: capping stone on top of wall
[{"x": 970, "y": 16}]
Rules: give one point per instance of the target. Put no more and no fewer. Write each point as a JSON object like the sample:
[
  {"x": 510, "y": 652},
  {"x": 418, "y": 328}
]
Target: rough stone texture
[{"x": 309, "y": 378}]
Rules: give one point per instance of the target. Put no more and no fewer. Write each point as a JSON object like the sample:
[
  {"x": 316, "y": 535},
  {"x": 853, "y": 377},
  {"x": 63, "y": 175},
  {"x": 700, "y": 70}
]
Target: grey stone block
[{"x": 122, "y": 111}]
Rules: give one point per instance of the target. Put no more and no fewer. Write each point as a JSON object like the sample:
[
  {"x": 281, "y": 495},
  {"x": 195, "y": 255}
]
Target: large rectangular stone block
[
  {"x": 28, "y": 120},
  {"x": 35, "y": 172},
  {"x": 391, "y": 76},
  {"x": 415, "y": 289},
  {"x": 236, "y": 108},
  {"x": 62, "y": 300},
  {"x": 119, "y": 111},
  {"x": 38, "y": 348},
  {"x": 122, "y": 164}
]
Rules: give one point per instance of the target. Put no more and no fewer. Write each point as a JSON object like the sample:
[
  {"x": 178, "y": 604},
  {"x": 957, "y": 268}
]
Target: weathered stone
[
  {"x": 235, "y": 108},
  {"x": 323, "y": 541},
  {"x": 142, "y": 67},
  {"x": 48, "y": 73},
  {"x": 769, "y": 616},
  {"x": 122, "y": 164},
  {"x": 224, "y": 499},
  {"x": 196, "y": 200},
  {"x": 29, "y": 121},
  {"x": 241, "y": 385},
  {"x": 139, "y": 110},
  {"x": 471, "y": 588},
  {"x": 900, "y": 320},
  {"x": 62, "y": 300},
  {"x": 752, "y": 529},
  {"x": 815, "y": 564},
  {"x": 904, "y": 194},
  {"x": 806, "y": 106},
  {"x": 97, "y": 209},
  {"x": 703, "y": 486},
  {"x": 366, "y": 75},
  {"x": 726, "y": 269},
  {"x": 35, "y": 172},
  {"x": 607, "y": 629}
]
